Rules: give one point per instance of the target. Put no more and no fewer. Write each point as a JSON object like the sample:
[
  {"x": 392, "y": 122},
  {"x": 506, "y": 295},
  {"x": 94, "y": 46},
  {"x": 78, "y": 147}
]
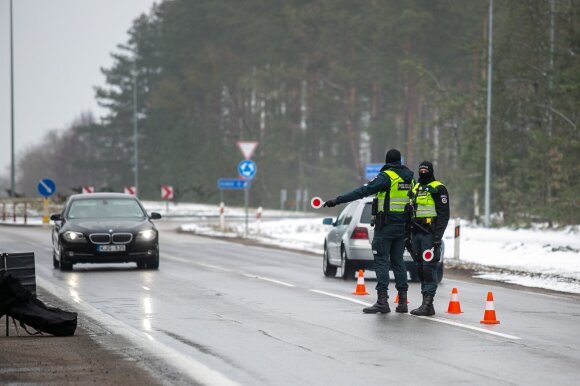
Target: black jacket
[{"x": 381, "y": 183}]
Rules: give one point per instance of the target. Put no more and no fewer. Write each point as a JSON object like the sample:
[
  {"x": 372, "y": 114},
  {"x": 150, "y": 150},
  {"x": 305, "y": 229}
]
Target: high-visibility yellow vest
[
  {"x": 398, "y": 197},
  {"x": 424, "y": 202}
]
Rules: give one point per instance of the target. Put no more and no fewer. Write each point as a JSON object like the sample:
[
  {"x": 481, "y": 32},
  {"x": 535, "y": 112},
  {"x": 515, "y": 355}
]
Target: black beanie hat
[{"x": 393, "y": 156}]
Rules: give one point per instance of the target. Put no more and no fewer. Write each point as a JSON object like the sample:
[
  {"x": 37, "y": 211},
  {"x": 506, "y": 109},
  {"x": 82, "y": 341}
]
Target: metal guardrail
[{"x": 21, "y": 210}]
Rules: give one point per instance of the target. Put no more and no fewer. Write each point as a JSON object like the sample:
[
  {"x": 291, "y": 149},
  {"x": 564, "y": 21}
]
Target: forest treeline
[{"x": 327, "y": 86}]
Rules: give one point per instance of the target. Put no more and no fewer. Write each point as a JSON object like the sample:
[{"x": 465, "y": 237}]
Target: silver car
[{"x": 348, "y": 244}]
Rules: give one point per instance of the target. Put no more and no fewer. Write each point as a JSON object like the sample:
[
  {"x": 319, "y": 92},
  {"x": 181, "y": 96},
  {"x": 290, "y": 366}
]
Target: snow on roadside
[{"x": 531, "y": 257}]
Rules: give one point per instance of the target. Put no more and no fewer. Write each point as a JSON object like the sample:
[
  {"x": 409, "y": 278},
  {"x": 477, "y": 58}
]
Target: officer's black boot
[
  {"x": 381, "y": 306},
  {"x": 419, "y": 309},
  {"x": 402, "y": 306},
  {"x": 426, "y": 308}
]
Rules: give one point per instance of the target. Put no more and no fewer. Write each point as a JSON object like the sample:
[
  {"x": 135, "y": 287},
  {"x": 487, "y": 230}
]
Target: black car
[{"x": 104, "y": 228}]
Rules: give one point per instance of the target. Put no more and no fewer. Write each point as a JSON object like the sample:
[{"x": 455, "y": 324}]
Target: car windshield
[
  {"x": 105, "y": 208},
  {"x": 365, "y": 217}
]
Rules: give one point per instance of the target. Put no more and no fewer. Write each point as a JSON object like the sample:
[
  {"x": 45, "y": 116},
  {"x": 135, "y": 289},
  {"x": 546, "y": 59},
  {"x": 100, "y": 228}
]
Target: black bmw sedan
[{"x": 104, "y": 228}]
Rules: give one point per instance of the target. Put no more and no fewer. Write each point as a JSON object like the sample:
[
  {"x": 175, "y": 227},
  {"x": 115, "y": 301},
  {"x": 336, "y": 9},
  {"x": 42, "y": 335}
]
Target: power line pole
[
  {"x": 12, "y": 165},
  {"x": 135, "y": 132},
  {"x": 488, "y": 125}
]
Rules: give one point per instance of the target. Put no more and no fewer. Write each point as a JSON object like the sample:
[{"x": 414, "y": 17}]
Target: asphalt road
[{"x": 218, "y": 313}]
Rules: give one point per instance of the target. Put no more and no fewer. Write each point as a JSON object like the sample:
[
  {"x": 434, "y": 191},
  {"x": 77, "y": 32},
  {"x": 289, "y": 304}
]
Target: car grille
[
  {"x": 122, "y": 238},
  {"x": 100, "y": 238}
]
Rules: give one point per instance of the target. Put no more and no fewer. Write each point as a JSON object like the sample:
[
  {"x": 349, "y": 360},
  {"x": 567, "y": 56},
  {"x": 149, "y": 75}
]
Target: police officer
[
  {"x": 391, "y": 186},
  {"x": 428, "y": 215}
]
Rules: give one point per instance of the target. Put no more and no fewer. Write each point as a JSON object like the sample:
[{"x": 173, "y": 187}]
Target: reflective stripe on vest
[
  {"x": 424, "y": 202},
  {"x": 397, "y": 194}
]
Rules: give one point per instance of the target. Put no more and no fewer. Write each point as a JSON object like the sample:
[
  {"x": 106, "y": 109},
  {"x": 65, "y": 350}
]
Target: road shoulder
[{"x": 91, "y": 356}]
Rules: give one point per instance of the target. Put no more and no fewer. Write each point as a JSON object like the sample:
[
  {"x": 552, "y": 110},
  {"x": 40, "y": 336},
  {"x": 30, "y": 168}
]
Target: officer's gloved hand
[
  {"x": 330, "y": 203},
  {"x": 408, "y": 244},
  {"x": 437, "y": 245}
]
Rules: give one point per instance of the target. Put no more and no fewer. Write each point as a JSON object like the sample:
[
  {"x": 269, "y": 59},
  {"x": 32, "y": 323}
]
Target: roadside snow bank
[{"x": 542, "y": 258}]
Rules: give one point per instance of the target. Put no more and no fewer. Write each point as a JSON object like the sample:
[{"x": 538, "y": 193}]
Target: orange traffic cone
[
  {"x": 489, "y": 315},
  {"x": 454, "y": 306},
  {"x": 360, "y": 284},
  {"x": 397, "y": 299}
]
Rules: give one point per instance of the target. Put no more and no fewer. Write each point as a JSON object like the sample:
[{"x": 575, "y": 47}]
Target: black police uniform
[
  {"x": 388, "y": 241},
  {"x": 426, "y": 234}
]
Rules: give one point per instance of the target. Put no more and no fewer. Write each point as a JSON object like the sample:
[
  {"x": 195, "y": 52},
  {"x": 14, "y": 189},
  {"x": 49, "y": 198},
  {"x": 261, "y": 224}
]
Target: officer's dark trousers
[
  {"x": 388, "y": 246},
  {"x": 426, "y": 270}
]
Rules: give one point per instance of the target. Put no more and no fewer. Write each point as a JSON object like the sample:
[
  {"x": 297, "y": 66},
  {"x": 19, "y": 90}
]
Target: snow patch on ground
[{"x": 537, "y": 257}]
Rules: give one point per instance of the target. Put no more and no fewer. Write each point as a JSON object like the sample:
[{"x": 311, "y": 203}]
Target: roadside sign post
[
  {"x": 234, "y": 184},
  {"x": 456, "y": 238},
  {"x": 283, "y": 198},
  {"x": 222, "y": 216},
  {"x": 246, "y": 203},
  {"x": 247, "y": 169},
  {"x": 46, "y": 187},
  {"x": 167, "y": 195}
]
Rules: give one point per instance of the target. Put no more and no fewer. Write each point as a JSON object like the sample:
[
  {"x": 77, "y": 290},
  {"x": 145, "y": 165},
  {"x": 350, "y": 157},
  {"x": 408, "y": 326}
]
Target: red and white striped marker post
[
  {"x": 316, "y": 202},
  {"x": 222, "y": 216},
  {"x": 258, "y": 219}
]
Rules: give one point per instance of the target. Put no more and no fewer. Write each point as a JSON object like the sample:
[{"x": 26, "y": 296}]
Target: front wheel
[
  {"x": 327, "y": 269},
  {"x": 55, "y": 262},
  {"x": 153, "y": 263},
  {"x": 63, "y": 265}
]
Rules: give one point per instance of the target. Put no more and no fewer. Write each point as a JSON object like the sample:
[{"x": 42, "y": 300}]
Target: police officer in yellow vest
[
  {"x": 391, "y": 186},
  {"x": 428, "y": 216}
]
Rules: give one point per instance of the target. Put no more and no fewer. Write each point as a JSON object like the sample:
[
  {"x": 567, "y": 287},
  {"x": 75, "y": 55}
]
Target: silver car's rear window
[{"x": 365, "y": 217}]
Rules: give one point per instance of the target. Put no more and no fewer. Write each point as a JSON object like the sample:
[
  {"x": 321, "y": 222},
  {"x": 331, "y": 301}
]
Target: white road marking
[
  {"x": 479, "y": 329},
  {"x": 268, "y": 279},
  {"x": 181, "y": 259},
  {"x": 253, "y": 276},
  {"x": 341, "y": 297},
  {"x": 430, "y": 318}
]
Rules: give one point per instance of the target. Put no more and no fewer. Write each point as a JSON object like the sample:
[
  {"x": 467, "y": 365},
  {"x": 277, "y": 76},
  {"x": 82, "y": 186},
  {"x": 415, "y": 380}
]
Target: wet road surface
[{"x": 221, "y": 312}]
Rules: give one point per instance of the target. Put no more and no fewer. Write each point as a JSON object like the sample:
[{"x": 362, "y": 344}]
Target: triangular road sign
[{"x": 247, "y": 148}]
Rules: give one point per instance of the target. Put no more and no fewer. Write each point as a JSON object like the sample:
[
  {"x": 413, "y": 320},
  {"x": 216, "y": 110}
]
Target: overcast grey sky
[{"x": 59, "y": 48}]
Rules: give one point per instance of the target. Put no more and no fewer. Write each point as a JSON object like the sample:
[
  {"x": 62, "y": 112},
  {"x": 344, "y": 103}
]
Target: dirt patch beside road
[{"x": 92, "y": 356}]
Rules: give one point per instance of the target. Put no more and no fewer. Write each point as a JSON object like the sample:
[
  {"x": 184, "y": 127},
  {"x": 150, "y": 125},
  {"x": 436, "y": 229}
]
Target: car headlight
[
  {"x": 146, "y": 235},
  {"x": 74, "y": 237}
]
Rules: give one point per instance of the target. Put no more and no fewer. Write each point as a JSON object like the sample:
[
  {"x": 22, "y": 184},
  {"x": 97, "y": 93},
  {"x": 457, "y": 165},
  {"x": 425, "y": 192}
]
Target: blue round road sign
[
  {"x": 247, "y": 169},
  {"x": 46, "y": 187}
]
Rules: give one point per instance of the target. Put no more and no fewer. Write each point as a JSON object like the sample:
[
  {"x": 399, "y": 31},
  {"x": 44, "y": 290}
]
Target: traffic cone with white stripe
[
  {"x": 360, "y": 289},
  {"x": 489, "y": 315},
  {"x": 454, "y": 306}
]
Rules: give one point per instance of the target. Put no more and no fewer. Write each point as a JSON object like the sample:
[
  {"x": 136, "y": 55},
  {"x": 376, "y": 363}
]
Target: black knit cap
[{"x": 393, "y": 156}]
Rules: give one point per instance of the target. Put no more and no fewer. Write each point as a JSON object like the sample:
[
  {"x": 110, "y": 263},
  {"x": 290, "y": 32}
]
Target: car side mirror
[
  {"x": 328, "y": 221},
  {"x": 56, "y": 217},
  {"x": 155, "y": 216}
]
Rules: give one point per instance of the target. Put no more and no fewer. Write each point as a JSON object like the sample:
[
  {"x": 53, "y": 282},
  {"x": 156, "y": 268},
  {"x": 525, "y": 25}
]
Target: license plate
[{"x": 111, "y": 248}]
